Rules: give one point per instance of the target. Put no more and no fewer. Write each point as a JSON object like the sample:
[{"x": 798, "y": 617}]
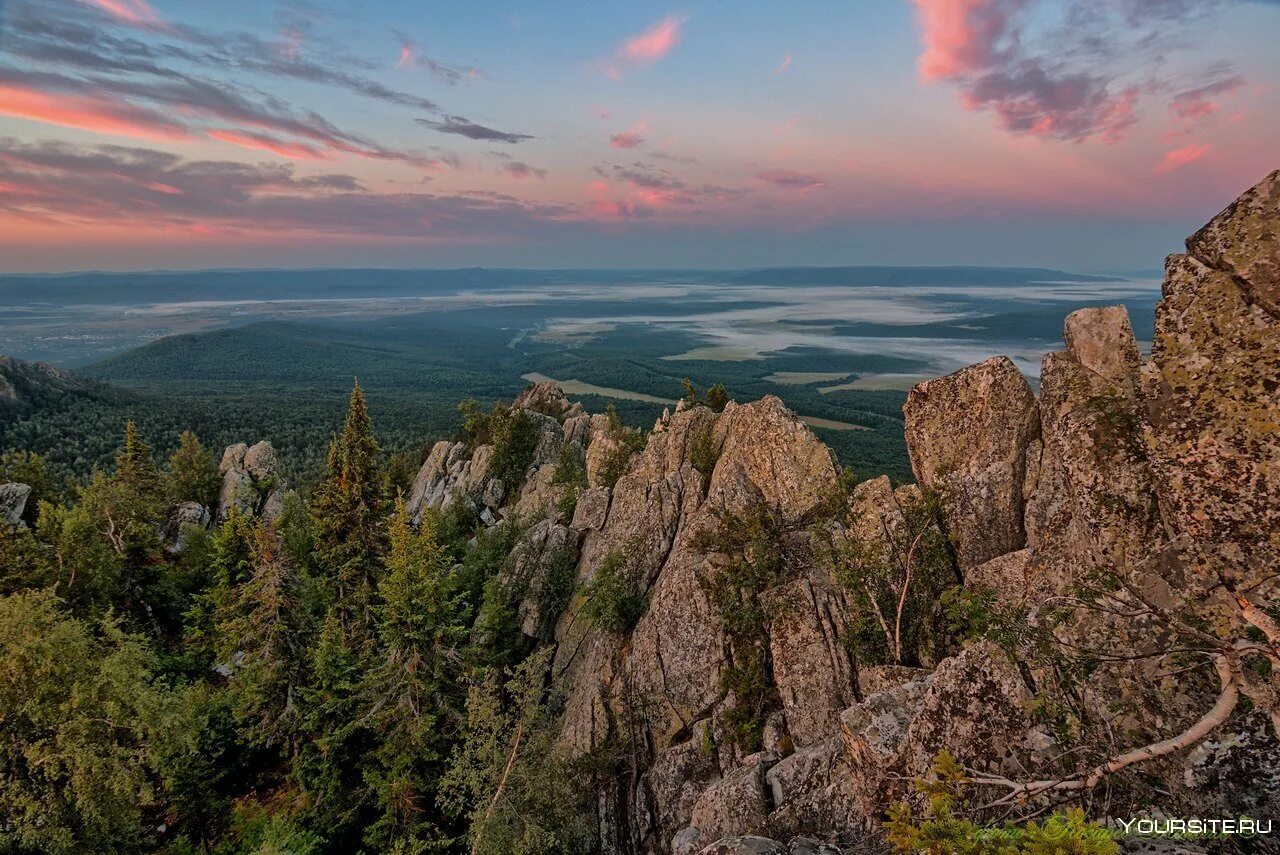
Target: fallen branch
[{"x": 1219, "y": 713}]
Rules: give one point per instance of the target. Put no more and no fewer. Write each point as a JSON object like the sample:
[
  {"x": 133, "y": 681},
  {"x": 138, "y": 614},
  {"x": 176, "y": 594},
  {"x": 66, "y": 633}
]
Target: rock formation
[
  {"x": 13, "y": 503},
  {"x": 1160, "y": 477},
  {"x": 251, "y": 483}
]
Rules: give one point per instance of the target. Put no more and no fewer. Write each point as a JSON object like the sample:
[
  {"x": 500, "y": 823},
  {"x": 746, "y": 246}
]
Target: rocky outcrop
[
  {"x": 968, "y": 435},
  {"x": 180, "y": 522},
  {"x": 13, "y": 503},
  {"x": 251, "y": 482},
  {"x": 1149, "y": 486}
]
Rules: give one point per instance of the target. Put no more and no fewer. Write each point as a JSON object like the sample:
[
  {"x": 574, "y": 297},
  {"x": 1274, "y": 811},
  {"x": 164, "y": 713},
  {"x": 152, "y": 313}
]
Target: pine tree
[
  {"x": 192, "y": 475},
  {"x": 135, "y": 466},
  {"x": 422, "y": 625},
  {"x": 262, "y": 632},
  {"x": 348, "y": 519}
]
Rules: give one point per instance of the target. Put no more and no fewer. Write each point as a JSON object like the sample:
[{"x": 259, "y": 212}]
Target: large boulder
[
  {"x": 968, "y": 435},
  {"x": 13, "y": 502},
  {"x": 251, "y": 482},
  {"x": 182, "y": 518}
]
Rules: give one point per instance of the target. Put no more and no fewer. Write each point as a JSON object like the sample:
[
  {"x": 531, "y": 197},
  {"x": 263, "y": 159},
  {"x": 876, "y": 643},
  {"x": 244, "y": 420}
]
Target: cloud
[
  {"x": 520, "y": 170},
  {"x": 961, "y": 36},
  {"x": 409, "y": 57},
  {"x": 788, "y": 180},
  {"x": 1202, "y": 101},
  {"x": 88, "y": 113},
  {"x": 1180, "y": 157},
  {"x": 144, "y": 188},
  {"x": 1071, "y": 71},
  {"x": 783, "y": 66},
  {"x": 630, "y": 138},
  {"x": 135, "y": 13},
  {"x": 647, "y": 47},
  {"x": 466, "y": 128},
  {"x": 265, "y": 142}
]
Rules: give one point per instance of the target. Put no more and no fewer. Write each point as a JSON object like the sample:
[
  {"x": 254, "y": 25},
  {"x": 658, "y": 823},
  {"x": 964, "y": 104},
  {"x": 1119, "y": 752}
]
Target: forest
[{"x": 335, "y": 680}]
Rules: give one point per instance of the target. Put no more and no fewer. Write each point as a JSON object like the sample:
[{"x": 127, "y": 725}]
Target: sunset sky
[{"x": 1083, "y": 134}]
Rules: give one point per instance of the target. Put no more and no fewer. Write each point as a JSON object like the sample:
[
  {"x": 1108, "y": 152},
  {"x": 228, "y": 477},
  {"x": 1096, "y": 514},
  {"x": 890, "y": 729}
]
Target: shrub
[
  {"x": 613, "y": 604},
  {"x": 703, "y": 454},
  {"x": 717, "y": 398},
  {"x": 941, "y": 831}
]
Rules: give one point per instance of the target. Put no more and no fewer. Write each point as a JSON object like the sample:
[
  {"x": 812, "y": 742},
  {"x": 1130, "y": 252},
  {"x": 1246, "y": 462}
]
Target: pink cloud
[
  {"x": 1180, "y": 157},
  {"x": 406, "y": 58},
  {"x": 654, "y": 43},
  {"x": 784, "y": 65},
  {"x": 960, "y": 36},
  {"x": 137, "y": 13},
  {"x": 630, "y": 138},
  {"x": 89, "y": 114},
  {"x": 647, "y": 47},
  {"x": 1204, "y": 100},
  {"x": 786, "y": 179},
  {"x": 265, "y": 142}
]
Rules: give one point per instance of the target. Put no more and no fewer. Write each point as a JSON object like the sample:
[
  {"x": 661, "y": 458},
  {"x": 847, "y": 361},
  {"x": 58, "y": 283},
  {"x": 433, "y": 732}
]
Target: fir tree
[
  {"x": 135, "y": 466},
  {"x": 192, "y": 475},
  {"x": 261, "y": 630},
  {"x": 348, "y": 519},
  {"x": 414, "y": 686}
]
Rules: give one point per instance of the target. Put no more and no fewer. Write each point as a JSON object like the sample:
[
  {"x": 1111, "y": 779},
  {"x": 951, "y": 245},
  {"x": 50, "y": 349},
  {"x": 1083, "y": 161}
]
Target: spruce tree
[
  {"x": 262, "y": 633},
  {"x": 135, "y": 466},
  {"x": 192, "y": 475},
  {"x": 421, "y": 626},
  {"x": 348, "y": 519}
]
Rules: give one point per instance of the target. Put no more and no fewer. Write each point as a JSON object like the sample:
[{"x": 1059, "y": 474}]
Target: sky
[{"x": 1079, "y": 134}]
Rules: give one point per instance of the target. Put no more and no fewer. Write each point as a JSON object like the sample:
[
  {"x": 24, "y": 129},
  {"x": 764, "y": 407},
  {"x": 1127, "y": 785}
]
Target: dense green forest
[
  {"x": 335, "y": 681},
  {"x": 286, "y": 382}
]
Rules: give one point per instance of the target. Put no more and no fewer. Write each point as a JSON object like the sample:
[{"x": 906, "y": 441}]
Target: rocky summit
[{"x": 1109, "y": 549}]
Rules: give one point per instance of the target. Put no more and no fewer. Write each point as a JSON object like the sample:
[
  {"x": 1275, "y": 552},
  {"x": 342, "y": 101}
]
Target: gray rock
[
  {"x": 13, "y": 502},
  {"x": 968, "y": 435},
  {"x": 181, "y": 518}
]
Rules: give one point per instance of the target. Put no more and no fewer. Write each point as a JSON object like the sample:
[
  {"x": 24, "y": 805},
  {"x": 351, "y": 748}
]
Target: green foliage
[
  {"x": 85, "y": 729},
  {"x": 943, "y": 831},
  {"x": 613, "y": 602},
  {"x": 517, "y": 795},
  {"x": 625, "y": 442},
  {"x": 704, "y": 454},
  {"x": 192, "y": 476},
  {"x": 902, "y": 587},
  {"x": 514, "y": 434},
  {"x": 347, "y": 518},
  {"x": 717, "y": 398}
]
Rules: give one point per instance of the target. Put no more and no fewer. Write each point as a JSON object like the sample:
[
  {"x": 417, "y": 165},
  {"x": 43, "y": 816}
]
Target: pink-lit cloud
[
  {"x": 1052, "y": 71},
  {"x": 631, "y": 138},
  {"x": 1202, "y": 101},
  {"x": 1179, "y": 157},
  {"x": 89, "y": 113},
  {"x": 783, "y": 66},
  {"x": 647, "y": 47},
  {"x": 268, "y": 143},
  {"x": 960, "y": 37},
  {"x": 136, "y": 13}
]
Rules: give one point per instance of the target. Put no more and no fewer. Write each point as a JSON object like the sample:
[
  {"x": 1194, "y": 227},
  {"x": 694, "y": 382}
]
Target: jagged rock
[
  {"x": 1212, "y": 390},
  {"x": 968, "y": 434},
  {"x": 1238, "y": 768},
  {"x": 250, "y": 482},
  {"x": 1243, "y": 240},
  {"x": 592, "y": 509},
  {"x": 546, "y": 397},
  {"x": 13, "y": 502},
  {"x": 673, "y": 783},
  {"x": 812, "y": 666},
  {"x": 975, "y": 707},
  {"x": 873, "y": 733},
  {"x": 815, "y": 788},
  {"x": 737, "y": 803},
  {"x": 451, "y": 473},
  {"x": 541, "y": 566},
  {"x": 180, "y": 518},
  {"x": 809, "y": 846},
  {"x": 1009, "y": 578},
  {"x": 1092, "y": 498}
]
